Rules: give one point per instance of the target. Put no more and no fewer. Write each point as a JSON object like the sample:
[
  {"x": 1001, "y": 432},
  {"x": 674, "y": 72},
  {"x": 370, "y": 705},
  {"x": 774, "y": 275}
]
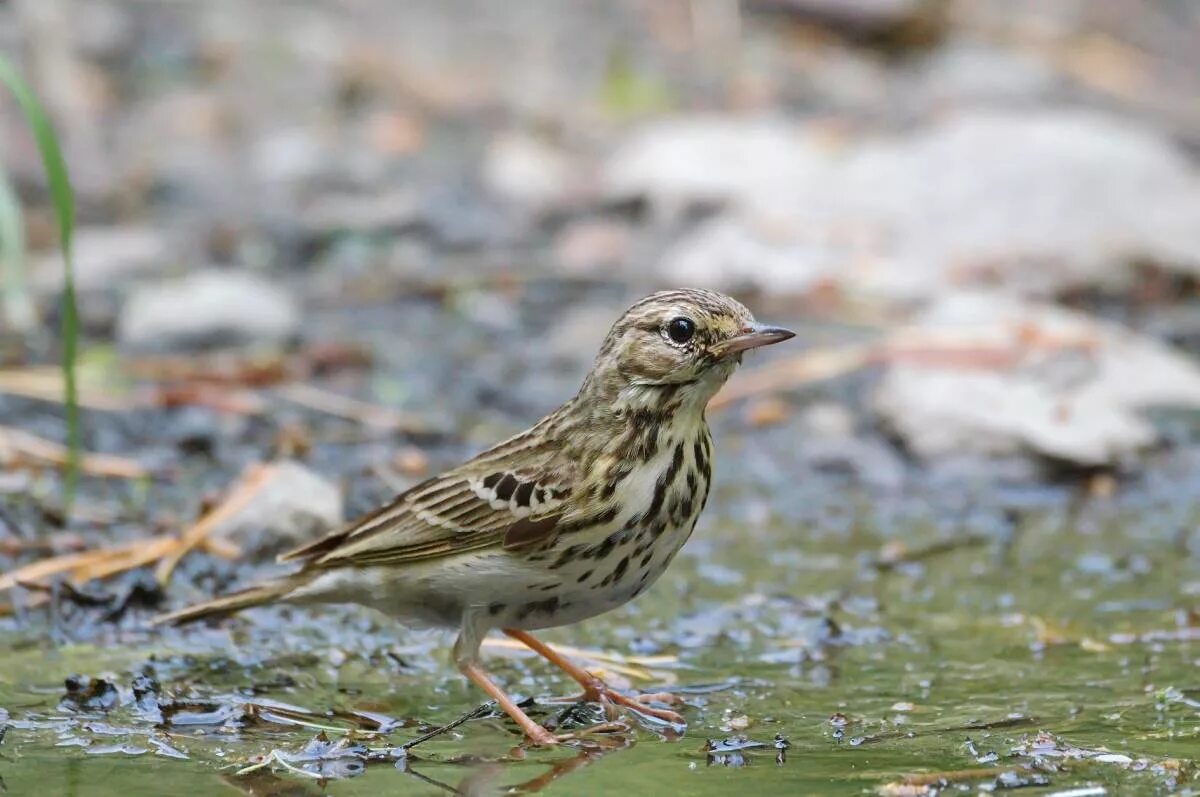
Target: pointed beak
[{"x": 752, "y": 337}]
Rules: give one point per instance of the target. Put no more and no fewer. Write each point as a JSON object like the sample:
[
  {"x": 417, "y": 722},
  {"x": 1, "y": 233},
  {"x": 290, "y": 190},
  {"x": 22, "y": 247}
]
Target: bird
[{"x": 573, "y": 517}]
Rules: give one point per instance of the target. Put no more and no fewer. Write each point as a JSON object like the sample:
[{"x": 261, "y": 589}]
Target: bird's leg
[
  {"x": 594, "y": 689},
  {"x": 479, "y": 676},
  {"x": 466, "y": 657}
]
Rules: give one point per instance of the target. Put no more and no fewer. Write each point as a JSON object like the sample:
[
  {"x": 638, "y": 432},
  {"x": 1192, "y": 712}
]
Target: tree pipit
[{"x": 567, "y": 520}]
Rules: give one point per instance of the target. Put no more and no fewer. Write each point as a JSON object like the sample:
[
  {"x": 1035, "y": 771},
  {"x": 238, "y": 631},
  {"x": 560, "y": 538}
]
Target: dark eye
[{"x": 681, "y": 329}]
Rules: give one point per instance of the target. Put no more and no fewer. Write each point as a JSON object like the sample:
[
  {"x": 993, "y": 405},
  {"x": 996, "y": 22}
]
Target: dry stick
[
  {"x": 54, "y": 566},
  {"x": 89, "y": 565},
  {"x": 812, "y": 366},
  {"x": 315, "y": 398},
  {"x": 46, "y": 384},
  {"x": 20, "y": 443},
  {"x": 921, "y": 348},
  {"x": 481, "y": 711},
  {"x": 252, "y": 481}
]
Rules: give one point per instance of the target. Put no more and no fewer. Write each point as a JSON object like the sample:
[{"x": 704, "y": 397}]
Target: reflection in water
[{"x": 484, "y": 777}]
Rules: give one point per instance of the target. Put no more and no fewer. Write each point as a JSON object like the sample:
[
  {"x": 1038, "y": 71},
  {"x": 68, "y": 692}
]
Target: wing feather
[{"x": 491, "y": 501}]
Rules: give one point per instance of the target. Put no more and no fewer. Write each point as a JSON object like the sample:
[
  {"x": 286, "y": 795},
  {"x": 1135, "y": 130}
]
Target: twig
[
  {"x": 252, "y": 481},
  {"x": 315, "y": 398},
  {"x": 45, "y": 383},
  {"x": 481, "y": 711},
  {"x": 812, "y": 366},
  {"x": 87, "y": 565},
  {"x": 21, "y": 446}
]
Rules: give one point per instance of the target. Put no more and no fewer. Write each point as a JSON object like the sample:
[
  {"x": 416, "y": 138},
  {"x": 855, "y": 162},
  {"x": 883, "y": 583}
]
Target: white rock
[
  {"x": 207, "y": 307},
  {"x": 1036, "y": 200},
  {"x": 703, "y": 160},
  {"x": 293, "y": 507},
  {"x": 971, "y": 72},
  {"x": 1014, "y": 378},
  {"x": 525, "y": 170}
]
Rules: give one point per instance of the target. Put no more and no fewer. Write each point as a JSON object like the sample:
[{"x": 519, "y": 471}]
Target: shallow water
[{"x": 1050, "y": 650}]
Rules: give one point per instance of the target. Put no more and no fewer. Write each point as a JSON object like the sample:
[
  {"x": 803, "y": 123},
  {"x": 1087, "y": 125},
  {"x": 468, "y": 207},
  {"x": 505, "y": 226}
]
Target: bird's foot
[
  {"x": 544, "y": 738},
  {"x": 605, "y": 695},
  {"x": 548, "y": 739}
]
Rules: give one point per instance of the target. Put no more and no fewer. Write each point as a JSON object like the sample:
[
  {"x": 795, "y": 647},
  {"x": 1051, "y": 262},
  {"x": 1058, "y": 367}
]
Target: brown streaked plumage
[{"x": 571, "y": 518}]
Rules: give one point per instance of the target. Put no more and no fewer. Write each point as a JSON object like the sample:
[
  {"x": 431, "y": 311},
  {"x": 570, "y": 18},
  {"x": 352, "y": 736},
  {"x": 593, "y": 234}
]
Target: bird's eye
[{"x": 681, "y": 330}]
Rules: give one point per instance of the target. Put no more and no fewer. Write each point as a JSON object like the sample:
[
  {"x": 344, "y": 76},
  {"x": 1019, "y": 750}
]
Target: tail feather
[{"x": 231, "y": 603}]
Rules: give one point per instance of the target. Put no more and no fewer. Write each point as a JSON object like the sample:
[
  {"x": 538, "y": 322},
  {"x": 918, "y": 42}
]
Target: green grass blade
[{"x": 64, "y": 204}]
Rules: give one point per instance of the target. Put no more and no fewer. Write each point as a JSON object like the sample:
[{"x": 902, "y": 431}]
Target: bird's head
[{"x": 685, "y": 340}]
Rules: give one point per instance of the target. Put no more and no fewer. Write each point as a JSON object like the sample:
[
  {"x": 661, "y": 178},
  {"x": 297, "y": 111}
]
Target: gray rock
[
  {"x": 105, "y": 257},
  {"x": 206, "y": 308},
  {"x": 1021, "y": 378},
  {"x": 293, "y": 507},
  {"x": 827, "y": 421},
  {"x": 362, "y": 213}
]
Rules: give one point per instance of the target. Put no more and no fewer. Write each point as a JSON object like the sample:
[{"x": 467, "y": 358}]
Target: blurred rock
[
  {"x": 590, "y": 245},
  {"x": 293, "y": 507},
  {"x": 287, "y": 155},
  {"x": 827, "y": 420},
  {"x": 981, "y": 373},
  {"x": 963, "y": 73},
  {"x": 1036, "y": 201},
  {"x": 691, "y": 161},
  {"x": 105, "y": 257},
  {"x": 207, "y": 308},
  {"x": 526, "y": 170},
  {"x": 355, "y": 213}
]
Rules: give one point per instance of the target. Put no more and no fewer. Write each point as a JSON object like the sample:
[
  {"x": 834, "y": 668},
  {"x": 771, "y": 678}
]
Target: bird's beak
[{"x": 752, "y": 337}]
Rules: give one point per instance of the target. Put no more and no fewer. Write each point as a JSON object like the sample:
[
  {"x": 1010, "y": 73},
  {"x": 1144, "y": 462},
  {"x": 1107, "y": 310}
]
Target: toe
[{"x": 543, "y": 739}]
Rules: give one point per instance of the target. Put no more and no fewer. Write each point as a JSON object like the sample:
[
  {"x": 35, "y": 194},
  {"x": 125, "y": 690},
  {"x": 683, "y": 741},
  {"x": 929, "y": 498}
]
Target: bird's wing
[{"x": 511, "y": 496}]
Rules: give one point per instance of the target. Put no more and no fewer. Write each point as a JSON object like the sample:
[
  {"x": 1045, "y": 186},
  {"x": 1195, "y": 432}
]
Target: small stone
[
  {"x": 525, "y": 170},
  {"x": 207, "y": 308},
  {"x": 593, "y": 244},
  {"x": 359, "y": 213},
  {"x": 106, "y": 256},
  {"x": 738, "y": 723},
  {"x": 827, "y": 420}
]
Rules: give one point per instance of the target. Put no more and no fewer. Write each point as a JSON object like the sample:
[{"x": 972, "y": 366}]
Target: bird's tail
[{"x": 234, "y": 602}]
